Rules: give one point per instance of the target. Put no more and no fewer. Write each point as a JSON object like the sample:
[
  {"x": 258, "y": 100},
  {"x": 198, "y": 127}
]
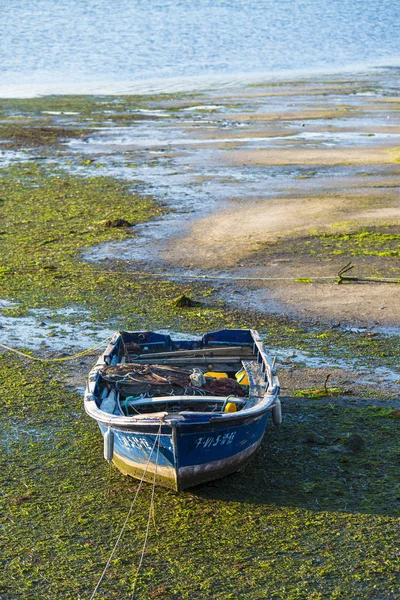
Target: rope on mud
[
  {"x": 213, "y": 277},
  {"x": 157, "y": 439},
  {"x": 60, "y": 359},
  {"x": 203, "y": 277},
  {"x": 343, "y": 277},
  {"x": 338, "y": 278}
]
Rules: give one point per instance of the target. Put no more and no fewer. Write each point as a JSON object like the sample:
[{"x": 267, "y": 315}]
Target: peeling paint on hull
[
  {"x": 197, "y": 474},
  {"x": 179, "y": 479},
  {"x": 192, "y": 456},
  {"x": 166, "y": 477}
]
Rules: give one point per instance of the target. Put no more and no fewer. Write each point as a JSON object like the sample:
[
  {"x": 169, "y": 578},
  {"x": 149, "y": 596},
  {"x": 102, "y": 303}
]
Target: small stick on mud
[
  {"x": 353, "y": 278},
  {"x": 343, "y": 270}
]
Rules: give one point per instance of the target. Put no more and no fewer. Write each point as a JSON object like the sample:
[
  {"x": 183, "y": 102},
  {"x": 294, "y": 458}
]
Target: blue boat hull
[{"x": 182, "y": 455}]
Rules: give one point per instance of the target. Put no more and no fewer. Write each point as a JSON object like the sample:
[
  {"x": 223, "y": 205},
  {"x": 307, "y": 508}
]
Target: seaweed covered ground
[{"x": 316, "y": 513}]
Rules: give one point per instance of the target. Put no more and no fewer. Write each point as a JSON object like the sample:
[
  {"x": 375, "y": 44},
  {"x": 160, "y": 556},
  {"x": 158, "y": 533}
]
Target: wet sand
[
  {"x": 267, "y": 181},
  {"x": 347, "y": 181}
]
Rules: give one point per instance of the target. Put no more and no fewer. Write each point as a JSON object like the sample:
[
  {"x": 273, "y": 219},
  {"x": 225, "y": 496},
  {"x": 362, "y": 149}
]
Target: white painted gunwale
[{"x": 188, "y": 417}]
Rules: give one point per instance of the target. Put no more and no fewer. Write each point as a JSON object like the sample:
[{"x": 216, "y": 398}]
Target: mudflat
[
  {"x": 329, "y": 156},
  {"x": 110, "y": 207}
]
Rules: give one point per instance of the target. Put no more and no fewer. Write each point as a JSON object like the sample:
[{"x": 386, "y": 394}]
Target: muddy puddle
[
  {"x": 384, "y": 377},
  {"x": 62, "y": 330},
  {"x": 11, "y": 157}
]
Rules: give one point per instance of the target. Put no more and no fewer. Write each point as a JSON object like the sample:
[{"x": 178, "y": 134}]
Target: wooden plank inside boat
[
  {"x": 223, "y": 363},
  {"x": 241, "y": 351}
]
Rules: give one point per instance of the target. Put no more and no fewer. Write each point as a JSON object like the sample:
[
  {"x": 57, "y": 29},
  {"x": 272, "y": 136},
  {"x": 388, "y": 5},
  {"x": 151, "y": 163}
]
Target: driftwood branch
[{"x": 344, "y": 277}]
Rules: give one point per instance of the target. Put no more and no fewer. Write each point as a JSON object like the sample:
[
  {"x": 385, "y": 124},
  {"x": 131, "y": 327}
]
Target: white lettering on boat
[
  {"x": 219, "y": 440},
  {"x": 134, "y": 442}
]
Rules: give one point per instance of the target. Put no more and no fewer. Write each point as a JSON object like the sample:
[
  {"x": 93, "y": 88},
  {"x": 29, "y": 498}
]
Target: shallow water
[
  {"x": 133, "y": 45},
  {"x": 44, "y": 329},
  {"x": 10, "y": 157},
  {"x": 63, "y": 330},
  {"x": 182, "y": 158},
  {"x": 295, "y": 356}
]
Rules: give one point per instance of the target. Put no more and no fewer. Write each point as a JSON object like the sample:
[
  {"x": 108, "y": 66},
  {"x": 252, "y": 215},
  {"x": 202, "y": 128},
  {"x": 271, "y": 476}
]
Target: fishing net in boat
[
  {"x": 223, "y": 387},
  {"x": 163, "y": 380}
]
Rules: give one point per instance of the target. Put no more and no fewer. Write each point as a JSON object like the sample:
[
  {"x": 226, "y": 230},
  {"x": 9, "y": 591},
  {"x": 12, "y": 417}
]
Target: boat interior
[{"x": 147, "y": 373}]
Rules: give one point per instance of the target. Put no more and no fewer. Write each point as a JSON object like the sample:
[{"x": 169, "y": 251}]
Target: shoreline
[
  {"x": 258, "y": 180},
  {"x": 286, "y": 187},
  {"x": 211, "y": 212},
  {"x": 186, "y": 84}
]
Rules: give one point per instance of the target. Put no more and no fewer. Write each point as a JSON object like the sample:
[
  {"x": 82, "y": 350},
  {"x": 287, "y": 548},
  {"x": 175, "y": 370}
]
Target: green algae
[
  {"x": 380, "y": 242},
  {"x": 307, "y": 175},
  {"x": 304, "y": 520},
  {"x": 28, "y": 135},
  {"x": 365, "y": 242},
  {"x": 92, "y": 110},
  {"x": 383, "y": 411},
  {"x": 395, "y": 152},
  {"x": 49, "y": 219},
  {"x": 319, "y": 393}
]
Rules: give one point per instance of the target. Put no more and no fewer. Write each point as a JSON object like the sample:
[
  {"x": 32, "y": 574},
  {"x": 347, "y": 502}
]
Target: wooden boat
[{"x": 183, "y": 412}]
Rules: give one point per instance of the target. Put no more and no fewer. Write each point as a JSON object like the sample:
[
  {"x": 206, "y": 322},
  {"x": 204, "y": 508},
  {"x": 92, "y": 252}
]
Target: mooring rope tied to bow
[
  {"x": 151, "y": 512},
  {"x": 157, "y": 440}
]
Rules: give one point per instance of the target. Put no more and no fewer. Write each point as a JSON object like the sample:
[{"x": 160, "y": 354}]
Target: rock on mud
[
  {"x": 183, "y": 301},
  {"x": 115, "y": 223}
]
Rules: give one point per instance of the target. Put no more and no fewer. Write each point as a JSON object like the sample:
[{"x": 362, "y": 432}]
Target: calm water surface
[{"x": 152, "y": 45}]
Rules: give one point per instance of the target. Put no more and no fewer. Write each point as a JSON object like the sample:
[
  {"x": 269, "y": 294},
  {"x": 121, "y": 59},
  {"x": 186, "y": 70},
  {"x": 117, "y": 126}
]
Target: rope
[
  {"x": 203, "y": 277},
  {"x": 61, "y": 359},
  {"x": 151, "y": 512},
  {"x": 127, "y": 516},
  {"x": 223, "y": 277},
  {"x": 212, "y": 277}
]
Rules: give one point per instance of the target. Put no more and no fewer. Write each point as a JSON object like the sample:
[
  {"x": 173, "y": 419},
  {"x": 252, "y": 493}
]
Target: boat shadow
[{"x": 323, "y": 458}]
